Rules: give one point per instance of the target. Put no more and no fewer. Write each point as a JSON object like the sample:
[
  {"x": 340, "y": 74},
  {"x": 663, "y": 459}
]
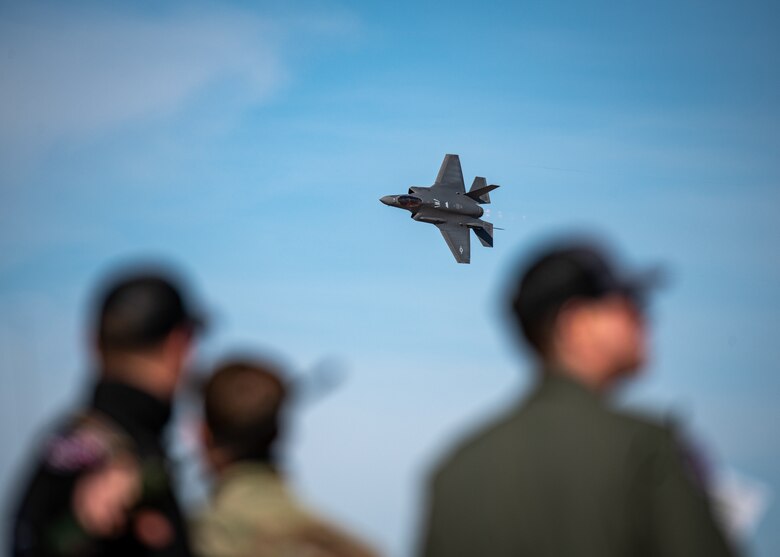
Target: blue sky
[{"x": 250, "y": 145}]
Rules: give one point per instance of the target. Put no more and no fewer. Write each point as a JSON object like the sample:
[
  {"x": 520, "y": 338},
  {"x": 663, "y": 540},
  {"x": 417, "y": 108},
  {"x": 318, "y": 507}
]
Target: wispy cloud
[{"x": 67, "y": 75}]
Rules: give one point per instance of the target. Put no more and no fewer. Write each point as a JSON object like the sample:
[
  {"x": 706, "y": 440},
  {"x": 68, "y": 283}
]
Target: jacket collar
[
  {"x": 559, "y": 383},
  {"x": 136, "y": 411},
  {"x": 250, "y": 472}
]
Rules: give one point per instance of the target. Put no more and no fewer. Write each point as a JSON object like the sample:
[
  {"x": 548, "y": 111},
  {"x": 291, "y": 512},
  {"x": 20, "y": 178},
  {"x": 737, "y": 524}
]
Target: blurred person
[
  {"x": 565, "y": 473},
  {"x": 102, "y": 484},
  {"x": 252, "y": 512}
]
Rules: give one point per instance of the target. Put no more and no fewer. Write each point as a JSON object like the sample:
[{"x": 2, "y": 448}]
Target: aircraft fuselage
[{"x": 443, "y": 202}]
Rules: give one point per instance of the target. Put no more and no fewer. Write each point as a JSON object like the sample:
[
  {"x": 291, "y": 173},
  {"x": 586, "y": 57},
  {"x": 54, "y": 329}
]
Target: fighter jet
[{"x": 447, "y": 205}]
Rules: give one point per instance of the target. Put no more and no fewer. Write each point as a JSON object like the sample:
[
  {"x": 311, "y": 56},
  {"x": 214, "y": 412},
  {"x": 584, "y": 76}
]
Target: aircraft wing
[
  {"x": 458, "y": 239},
  {"x": 450, "y": 175}
]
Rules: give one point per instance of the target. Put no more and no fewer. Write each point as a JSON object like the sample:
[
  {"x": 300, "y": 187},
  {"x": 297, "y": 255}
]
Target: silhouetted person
[
  {"x": 564, "y": 473},
  {"x": 102, "y": 486},
  {"x": 252, "y": 512}
]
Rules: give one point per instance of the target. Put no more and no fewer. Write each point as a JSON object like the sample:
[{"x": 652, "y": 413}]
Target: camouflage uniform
[{"x": 253, "y": 514}]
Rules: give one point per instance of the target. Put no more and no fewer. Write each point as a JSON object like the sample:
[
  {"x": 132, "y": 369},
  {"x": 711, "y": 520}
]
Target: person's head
[
  {"x": 243, "y": 401},
  {"x": 144, "y": 330},
  {"x": 578, "y": 312}
]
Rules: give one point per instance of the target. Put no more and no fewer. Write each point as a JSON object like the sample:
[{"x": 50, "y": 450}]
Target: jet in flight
[{"x": 447, "y": 205}]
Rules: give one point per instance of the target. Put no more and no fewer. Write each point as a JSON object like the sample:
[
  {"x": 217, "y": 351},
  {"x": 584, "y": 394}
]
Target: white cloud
[{"x": 68, "y": 75}]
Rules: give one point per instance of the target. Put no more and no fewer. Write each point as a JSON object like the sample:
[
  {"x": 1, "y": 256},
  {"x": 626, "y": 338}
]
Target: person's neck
[
  {"x": 221, "y": 462},
  {"x": 144, "y": 372},
  {"x": 587, "y": 371},
  {"x": 135, "y": 410}
]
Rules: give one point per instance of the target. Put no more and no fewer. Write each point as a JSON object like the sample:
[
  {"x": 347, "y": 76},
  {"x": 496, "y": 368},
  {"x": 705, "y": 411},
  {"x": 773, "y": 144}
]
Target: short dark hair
[
  {"x": 138, "y": 310},
  {"x": 243, "y": 401}
]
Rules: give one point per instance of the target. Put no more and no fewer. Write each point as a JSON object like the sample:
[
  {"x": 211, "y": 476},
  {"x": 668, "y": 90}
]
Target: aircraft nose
[{"x": 388, "y": 200}]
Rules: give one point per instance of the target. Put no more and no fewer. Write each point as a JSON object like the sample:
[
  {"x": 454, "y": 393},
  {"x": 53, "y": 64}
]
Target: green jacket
[{"x": 564, "y": 475}]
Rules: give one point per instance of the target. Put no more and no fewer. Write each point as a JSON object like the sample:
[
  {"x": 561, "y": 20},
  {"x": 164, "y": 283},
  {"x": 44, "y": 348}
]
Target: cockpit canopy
[{"x": 409, "y": 201}]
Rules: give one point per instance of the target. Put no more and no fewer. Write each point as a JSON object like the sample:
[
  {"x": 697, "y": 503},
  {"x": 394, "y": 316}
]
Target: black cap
[
  {"x": 572, "y": 270},
  {"x": 140, "y": 309}
]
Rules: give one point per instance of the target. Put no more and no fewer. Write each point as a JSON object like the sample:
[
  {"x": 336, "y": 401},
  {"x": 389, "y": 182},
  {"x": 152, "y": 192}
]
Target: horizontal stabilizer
[
  {"x": 480, "y": 191},
  {"x": 483, "y": 230}
]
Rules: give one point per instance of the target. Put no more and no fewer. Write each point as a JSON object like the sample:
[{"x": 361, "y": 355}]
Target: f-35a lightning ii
[{"x": 447, "y": 205}]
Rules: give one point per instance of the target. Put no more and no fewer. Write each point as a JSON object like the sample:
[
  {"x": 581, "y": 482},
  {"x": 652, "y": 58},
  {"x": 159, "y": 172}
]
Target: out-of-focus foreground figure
[
  {"x": 252, "y": 511},
  {"x": 101, "y": 485},
  {"x": 565, "y": 473}
]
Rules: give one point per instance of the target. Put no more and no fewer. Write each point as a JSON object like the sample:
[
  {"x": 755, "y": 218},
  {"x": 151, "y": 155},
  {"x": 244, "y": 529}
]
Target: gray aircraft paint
[{"x": 447, "y": 205}]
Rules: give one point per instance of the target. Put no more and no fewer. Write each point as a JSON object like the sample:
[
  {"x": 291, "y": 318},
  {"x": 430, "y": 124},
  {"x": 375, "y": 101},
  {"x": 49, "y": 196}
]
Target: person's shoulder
[
  {"x": 253, "y": 511},
  {"x": 479, "y": 446},
  {"x": 659, "y": 442},
  {"x": 80, "y": 442},
  {"x": 254, "y": 492},
  {"x": 643, "y": 424},
  {"x": 640, "y": 431},
  {"x": 665, "y": 442}
]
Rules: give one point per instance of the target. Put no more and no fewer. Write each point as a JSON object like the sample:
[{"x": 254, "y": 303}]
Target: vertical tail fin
[{"x": 480, "y": 191}]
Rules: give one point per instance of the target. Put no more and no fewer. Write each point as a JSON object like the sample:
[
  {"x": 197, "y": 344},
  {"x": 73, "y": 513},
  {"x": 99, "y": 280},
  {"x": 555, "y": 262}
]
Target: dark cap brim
[
  {"x": 198, "y": 322},
  {"x": 640, "y": 284}
]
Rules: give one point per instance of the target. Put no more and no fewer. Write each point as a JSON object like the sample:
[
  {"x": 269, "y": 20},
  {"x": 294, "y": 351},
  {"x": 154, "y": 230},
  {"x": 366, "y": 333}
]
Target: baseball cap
[
  {"x": 141, "y": 308},
  {"x": 574, "y": 270}
]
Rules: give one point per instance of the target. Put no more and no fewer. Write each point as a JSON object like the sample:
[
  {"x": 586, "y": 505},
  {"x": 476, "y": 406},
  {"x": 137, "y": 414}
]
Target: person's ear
[
  {"x": 176, "y": 347},
  {"x": 571, "y": 319},
  {"x": 206, "y": 437},
  {"x": 217, "y": 457},
  {"x": 181, "y": 339}
]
